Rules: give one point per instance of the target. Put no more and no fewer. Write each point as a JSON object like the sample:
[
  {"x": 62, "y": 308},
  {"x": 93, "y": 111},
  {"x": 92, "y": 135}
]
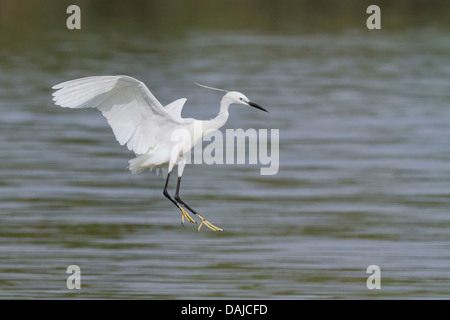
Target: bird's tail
[{"x": 136, "y": 165}]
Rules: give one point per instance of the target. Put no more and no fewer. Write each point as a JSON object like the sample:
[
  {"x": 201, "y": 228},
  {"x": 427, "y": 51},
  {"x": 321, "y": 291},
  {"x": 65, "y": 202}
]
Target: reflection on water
[{"x": 364, "y": 168}]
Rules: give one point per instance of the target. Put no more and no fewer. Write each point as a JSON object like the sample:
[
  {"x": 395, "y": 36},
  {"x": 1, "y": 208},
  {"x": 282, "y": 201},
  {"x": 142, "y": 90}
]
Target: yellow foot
[
  {"x": 208, "y": 224},
  {"x": 187, "y": 216}
]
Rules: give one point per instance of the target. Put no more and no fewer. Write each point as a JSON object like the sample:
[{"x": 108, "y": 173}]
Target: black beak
[{"x": 254, "y": 105}]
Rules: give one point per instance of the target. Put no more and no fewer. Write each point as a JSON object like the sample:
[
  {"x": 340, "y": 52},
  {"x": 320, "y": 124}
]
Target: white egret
[{"x": 139, "y": 120}]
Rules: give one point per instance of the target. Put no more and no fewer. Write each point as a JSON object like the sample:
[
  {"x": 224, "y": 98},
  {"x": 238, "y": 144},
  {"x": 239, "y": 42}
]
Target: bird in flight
[{"x": 158, "y": 135}]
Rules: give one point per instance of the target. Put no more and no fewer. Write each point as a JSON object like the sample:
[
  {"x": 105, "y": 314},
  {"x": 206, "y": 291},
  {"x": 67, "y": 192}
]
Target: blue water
[{"x": 364, "y": 174}]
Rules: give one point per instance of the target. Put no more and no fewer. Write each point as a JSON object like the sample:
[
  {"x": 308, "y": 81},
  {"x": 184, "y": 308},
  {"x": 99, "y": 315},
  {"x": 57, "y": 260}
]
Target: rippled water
[{"x": 364, "y": 172}]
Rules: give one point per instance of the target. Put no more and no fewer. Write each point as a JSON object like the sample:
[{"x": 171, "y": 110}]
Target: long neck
[{"x": 216, "y": 123}]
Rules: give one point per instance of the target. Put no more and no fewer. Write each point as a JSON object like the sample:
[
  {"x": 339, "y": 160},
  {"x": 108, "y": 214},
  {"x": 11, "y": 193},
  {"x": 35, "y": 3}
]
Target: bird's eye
[{"x": 241, "y": 99}]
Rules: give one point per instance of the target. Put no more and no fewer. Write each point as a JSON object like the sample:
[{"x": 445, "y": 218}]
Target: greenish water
[{"x": 364, "y": 176}]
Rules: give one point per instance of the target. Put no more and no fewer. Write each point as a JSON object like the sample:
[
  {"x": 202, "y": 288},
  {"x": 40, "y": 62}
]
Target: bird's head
[
  {"x": 239, "y": 98},
  {"x": 235, "y": 97}
]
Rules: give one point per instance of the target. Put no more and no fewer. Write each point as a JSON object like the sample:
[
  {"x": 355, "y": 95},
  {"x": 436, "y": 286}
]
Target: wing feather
[
  {"x": 134, "y": 114},
  {"x": 176, "y": 107}
]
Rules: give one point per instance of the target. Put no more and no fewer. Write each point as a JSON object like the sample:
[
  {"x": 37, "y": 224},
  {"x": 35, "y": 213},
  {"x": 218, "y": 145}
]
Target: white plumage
[
  {"x": 136, "y": 117},
  {"x": 140, "y": 122}
]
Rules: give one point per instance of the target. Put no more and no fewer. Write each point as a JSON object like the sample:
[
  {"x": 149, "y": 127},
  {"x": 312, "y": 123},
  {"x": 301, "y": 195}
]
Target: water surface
[{"x": 364, "y": 172}]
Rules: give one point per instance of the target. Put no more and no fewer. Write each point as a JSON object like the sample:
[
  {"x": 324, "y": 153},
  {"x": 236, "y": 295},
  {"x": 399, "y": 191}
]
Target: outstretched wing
[
  {"x": 176, "y": 107},
  {"x": 136, "y": 117}
]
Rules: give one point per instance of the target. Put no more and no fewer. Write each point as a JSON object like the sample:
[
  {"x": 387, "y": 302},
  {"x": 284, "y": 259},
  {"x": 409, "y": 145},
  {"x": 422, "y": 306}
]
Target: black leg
[
  {"x": 178, "y": 199},
  {"x": 204, "y": 221},
  {"x": 166, "y": 194}
]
